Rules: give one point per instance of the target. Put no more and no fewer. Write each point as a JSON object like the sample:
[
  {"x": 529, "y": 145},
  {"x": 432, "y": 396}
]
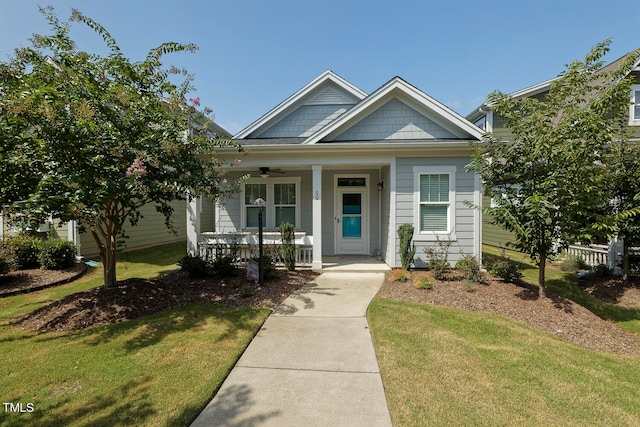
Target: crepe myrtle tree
[
  {"x": 547, "y": 181},
  {"x": 94, "y": 138}
]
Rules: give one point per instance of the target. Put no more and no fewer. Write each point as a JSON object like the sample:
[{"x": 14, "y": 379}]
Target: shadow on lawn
[
  {"x": 149, "y": 330},
  {"x": 126, "y": 405}
]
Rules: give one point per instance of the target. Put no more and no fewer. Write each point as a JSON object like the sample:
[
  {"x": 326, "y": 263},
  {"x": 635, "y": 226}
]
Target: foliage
[
  {"x": 94, "y": 138},
  {"x": 247, "y": 291},
  {"x": 288, "y": 246},
  {"x": 424, "y": 283},
  {"x": 621, "y": 205},
  {"x": 194, "y": 265},
  {"x": 400, "y": 275},
  {"x": 56, "y": 254},
  {"x": 468, "y": 285},
  {"x": 602, "y": 270},
  {"x": 545, "y": 181},
  {"x": 225, "y": 266},
  {"x": 469, "y": 266},
  {"x": 5, "y": 262},
  {"x": 407, "y": 250},
  {"x": 573, "y": 263},
  {"x": 437, "y": 258},
  {"x": 504, "y": 268},
  {"x": 23, "y": 250}
]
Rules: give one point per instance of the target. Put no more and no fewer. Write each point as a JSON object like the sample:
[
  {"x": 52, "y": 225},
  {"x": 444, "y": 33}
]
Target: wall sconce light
[{"x": 380, "y": 185}]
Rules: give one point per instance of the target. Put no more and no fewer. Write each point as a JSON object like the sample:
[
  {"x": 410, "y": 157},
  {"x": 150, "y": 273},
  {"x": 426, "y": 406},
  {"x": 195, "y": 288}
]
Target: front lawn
[
  {"x": 443, "y": 366},
  {"x": 450, "y": 366},
  {"x": 157, "y": 370}
]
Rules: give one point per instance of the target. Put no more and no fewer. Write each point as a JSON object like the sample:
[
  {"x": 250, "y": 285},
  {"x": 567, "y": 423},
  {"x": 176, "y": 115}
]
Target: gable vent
[{"x": 330, "y": 96}]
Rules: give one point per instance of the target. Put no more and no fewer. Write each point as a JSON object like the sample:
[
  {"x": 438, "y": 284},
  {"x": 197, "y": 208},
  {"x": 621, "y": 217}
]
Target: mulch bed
[{"x": 133, "y": 298}]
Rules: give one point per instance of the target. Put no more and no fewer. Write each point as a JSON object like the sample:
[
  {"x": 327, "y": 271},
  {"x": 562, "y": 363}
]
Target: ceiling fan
[{"x": 266, "y": 171}]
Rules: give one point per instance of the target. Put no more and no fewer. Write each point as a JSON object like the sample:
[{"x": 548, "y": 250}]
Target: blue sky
[{"x": 255, "y": 53}]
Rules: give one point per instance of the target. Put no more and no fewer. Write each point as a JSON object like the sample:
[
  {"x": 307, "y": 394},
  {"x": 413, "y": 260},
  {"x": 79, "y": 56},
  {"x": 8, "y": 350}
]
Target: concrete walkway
[{"x": 311, "y": 364}]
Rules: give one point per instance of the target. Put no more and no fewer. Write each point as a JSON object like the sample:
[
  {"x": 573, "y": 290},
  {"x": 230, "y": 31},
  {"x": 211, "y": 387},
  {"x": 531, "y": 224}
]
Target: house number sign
[{"x": 317, "y": 196}]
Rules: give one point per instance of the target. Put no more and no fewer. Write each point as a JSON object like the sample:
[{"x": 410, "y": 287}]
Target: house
[
  {"x": 348, "y": 168},
  {"x": 488, "y": 121}
]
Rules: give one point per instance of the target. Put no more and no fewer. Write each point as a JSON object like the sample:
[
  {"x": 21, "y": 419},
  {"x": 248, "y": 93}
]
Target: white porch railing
[
  {"x": 592, "y": 255},
  {"x": 244, "y": 246}
]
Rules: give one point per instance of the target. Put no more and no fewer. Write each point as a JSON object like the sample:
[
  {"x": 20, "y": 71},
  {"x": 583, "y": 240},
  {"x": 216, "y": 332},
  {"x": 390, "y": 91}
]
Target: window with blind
[{"x": 434, "y": 202}]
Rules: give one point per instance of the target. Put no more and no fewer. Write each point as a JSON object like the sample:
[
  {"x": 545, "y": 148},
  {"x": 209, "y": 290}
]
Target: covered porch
[{"x": 339, "y": 212}]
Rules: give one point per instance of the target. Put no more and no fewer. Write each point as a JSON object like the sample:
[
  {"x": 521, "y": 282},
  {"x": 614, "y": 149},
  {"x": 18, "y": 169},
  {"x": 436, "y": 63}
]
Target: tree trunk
[
  {"x": 625, "y": 260},
  {"x": 541, "y": 285},
  {"x": 107, "y": 246}
]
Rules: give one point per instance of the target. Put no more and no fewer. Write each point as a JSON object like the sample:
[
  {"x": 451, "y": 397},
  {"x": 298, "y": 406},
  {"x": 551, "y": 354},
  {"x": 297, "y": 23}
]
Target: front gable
[
  {"x": 397, "y": 112},
  {"x": 307, "y": 111},
  {"x": 395, "y": 120}
]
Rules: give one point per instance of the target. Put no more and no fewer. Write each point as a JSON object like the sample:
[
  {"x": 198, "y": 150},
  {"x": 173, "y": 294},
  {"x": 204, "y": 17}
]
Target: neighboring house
[
  {"x": 347, "y": 169},
  {"x": 149, "y": 231},
  {"x": 486, "y": 120}
]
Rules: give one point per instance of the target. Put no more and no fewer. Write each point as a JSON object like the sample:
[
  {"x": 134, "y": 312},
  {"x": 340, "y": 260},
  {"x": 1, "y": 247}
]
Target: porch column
[
  {"x": 193, "y": 226},
  {"x": 316, "y": 264}
]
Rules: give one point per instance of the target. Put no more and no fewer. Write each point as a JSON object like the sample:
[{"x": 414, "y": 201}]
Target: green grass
[
  {"x": 157, "y": 370},
  {"x": 445, "y": 366}
]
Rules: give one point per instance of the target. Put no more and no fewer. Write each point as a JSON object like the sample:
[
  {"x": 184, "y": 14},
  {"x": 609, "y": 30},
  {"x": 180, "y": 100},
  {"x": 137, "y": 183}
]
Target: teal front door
[{"x": 351, "y": 221}]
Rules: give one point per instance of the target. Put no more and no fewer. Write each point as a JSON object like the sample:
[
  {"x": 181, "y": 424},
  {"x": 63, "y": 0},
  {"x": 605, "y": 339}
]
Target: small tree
[
  {"x": 287, "y": 231},
  {"x": 546, "y": 182},
  {"x": 93, "y": 138},
  {"x": 407, "y": 250}
]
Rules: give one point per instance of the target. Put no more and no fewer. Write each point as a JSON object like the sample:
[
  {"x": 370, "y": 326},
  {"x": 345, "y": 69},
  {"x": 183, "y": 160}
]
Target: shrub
[
  {"x": 224, "y": 266},
  {"x": 5, "y": 262},
  {"x": 437, "y": 257},
  {"x": 288, "y": 246},
  {"x": 407, "y": 250},
  {"x": 468, "y": 285},
  {"x": 247, "y": 291},
  {"x": 504, "y": 268},
  {"x": 469, "y": 267},
  {"x": 440, "y": 268},
  {"x": 400, "y": 275},
  {"x": 573, "y": 263},
  {"x": 194, "y": 265},
  {"x": 56, "y": 254},
  {"x": 602, "y": 270},
  {"x": 23, "y": 251},
  {"x": 424, "y": 283}
]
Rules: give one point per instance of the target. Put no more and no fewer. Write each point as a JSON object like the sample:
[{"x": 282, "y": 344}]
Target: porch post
[
  {"x": 316, "y": 264},
  {"x": 193, "y": 226}
]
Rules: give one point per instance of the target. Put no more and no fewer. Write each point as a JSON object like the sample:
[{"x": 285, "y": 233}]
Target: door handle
[{"x": 338, "y": 220}]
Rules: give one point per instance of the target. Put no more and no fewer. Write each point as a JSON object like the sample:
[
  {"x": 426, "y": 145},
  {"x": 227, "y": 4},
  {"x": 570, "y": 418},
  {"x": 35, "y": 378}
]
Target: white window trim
[
  {"x": 270, "y": 209},
  {"x": 634, "y": 103},
  {"x": 434, "y": 235}
]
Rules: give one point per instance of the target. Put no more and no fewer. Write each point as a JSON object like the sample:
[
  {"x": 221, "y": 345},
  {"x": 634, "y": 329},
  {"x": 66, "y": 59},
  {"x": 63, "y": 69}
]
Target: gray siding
[
  {"x": 395, "y": 120},
  {"x": 464, "y": 218},
  {"x": 149, "y": 231},
  {"x": 304, "y": 121}
]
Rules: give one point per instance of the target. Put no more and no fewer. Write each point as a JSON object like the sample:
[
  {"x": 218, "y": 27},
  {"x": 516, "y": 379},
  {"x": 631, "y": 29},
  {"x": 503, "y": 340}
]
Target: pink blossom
[
  {"x": 137, "y": 168},
  {"x": 238, "y": 161},
  {"x": 224, "y": 181},
  {"x": 195, "y": 101}
]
